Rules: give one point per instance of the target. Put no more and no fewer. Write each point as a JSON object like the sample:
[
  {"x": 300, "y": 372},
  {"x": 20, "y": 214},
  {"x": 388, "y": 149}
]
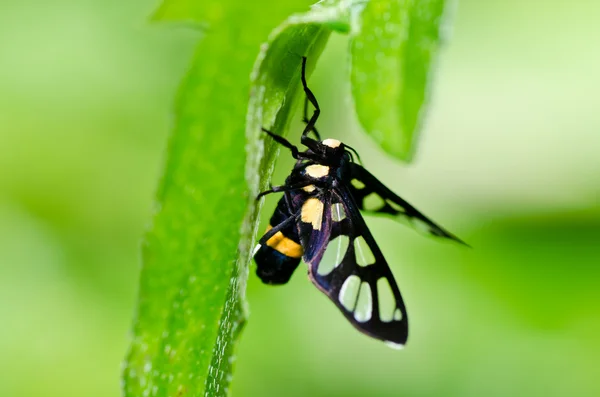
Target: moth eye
[
  {"x": 387, "y": 303},
  {"x": 337, "y": 212},
  {"x": 364, "y": 256},
  {"x": 348, "y": 292},
  {"x": 364, "y": 304},
  {"x": 334, "y": 254},
  {"x": 357, "y": 184},
  {"x": 373, "y": 202}
]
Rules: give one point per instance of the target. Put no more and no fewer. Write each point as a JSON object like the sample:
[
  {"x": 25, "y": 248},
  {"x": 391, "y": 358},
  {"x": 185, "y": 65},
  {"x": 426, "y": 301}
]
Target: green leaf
[
  {"x": 195, "y": 256},
  {"x": 393, "y": 55}
]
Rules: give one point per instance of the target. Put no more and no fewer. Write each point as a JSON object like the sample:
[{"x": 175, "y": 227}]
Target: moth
[{"x": 319, "y": 220}]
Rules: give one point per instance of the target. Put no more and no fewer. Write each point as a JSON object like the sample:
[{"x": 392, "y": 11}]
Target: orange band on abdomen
[{"x": 284, "y": 245}]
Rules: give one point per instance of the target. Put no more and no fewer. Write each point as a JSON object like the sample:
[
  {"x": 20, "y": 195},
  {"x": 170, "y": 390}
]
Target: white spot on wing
[
  {"x": 309, "y": 188},
  {"x": 364, "y": 305},
  {"x": 337, "y": 212},
  {"x": 387, "y": 302},
  {"x": 395, "y": 206},
  {"x": 373, "y": 202},
  {"x": 420, "y": 226},
  {"x": 364, "y": 256},
  {"x": 398, "y": 315},
  {"x": 334, "y": 254},
  {"x": 349, "y": 291},
  {"x": 357, "y": 184},
  {"x": 395, "y": 346}
]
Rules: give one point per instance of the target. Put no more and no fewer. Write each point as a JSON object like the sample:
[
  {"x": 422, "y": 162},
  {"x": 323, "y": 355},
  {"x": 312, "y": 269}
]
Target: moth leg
[
  {"x": 295, "y": 153},
  {"x": 282, "y": 141},
  {"x": 283, "y": 188},
  {"x": 273, "y": 231},
  {"x": 288, "y": 201},
  {"x": 310, "y": 124},
  {"x": 305, "y": 118}
]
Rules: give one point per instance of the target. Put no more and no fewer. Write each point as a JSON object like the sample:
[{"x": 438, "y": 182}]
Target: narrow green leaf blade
[
  {"x": 190, "y": 307},
  {"x": 188, "y": 254},
  {"x": 393, "y": 56},
  {"x": 195, "y": 262}
]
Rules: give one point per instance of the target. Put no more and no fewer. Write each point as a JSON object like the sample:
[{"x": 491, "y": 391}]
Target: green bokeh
[{"x": 508, "y": 161}]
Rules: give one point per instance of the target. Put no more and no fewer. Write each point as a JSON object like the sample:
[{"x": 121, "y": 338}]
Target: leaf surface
[{"x": 394, "y": 49}]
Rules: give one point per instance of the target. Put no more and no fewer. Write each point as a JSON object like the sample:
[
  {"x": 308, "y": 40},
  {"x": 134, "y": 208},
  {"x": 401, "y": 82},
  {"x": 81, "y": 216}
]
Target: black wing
[
  {"x": 347, "y": 265},
  {"x": 372, "y": 196}
]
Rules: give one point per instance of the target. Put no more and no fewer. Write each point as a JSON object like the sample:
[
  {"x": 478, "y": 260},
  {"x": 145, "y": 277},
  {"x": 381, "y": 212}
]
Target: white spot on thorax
[
  {"x": 332, "y": 143},
  {"x": 317, "y": 171}
]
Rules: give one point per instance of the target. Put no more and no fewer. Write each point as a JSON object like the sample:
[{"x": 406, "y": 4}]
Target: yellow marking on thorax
[
  {"x": 312, "y": 212},
  {"x": 284, "y": 245},
  {"x": 332, "y": 143},
  {"x": 317, "y": 170},
  {"x": 309, "y": 188}
]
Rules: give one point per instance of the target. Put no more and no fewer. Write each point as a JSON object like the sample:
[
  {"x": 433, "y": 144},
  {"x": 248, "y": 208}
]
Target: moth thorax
[{"x": 332, "y": 143}]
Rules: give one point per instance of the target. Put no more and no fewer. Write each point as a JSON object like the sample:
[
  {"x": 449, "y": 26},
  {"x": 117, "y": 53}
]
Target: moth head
[{"x": 332, "y": 151}]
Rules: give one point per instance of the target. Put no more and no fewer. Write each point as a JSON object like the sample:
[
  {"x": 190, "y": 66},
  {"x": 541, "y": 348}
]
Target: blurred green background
[{"x": 508, "y": 161}]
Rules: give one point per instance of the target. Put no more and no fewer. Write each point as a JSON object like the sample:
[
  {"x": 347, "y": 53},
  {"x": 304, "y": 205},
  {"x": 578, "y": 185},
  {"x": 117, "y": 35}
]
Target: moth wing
[
  {"x": 314, "y": 225},
  {"x": 374, "y": 197},
  {"x": 350, "y": 269}
]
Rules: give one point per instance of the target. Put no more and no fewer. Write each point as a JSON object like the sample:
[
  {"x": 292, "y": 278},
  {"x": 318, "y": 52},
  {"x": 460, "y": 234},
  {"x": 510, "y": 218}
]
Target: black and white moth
[{"x": 319, "y": 220}]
